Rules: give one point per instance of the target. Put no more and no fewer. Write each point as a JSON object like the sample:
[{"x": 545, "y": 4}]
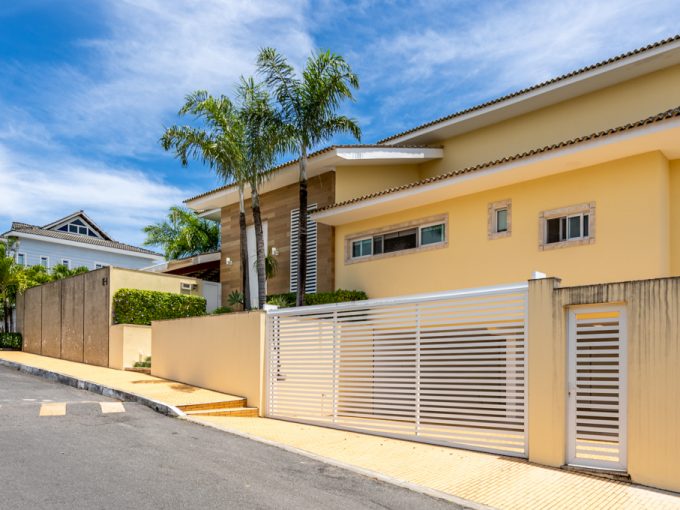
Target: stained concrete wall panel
[
  {"x": 20, "y": 313},
  {"x": 32, "y": 326},
  {"x": 96, "y": 324},
  {"x": 72, "y": 303},
  {"x": 51, "y": 319}
]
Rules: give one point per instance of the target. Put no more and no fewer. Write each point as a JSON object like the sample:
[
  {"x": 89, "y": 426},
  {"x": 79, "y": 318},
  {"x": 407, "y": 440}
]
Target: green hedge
[
  {"x": 322, "y": 298},
  {"x": 132, "y": 306},
  {"x": 10, "y": 340}
]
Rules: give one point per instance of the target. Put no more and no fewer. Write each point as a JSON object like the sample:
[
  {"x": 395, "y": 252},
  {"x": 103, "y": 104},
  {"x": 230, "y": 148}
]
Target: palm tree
[
  {"x": 183, "y": 234},
  {"x": 213, "y": 146},
  {"x": 262, "y": 139},
  {"x": 12, "y": 280},
  {"x": 308, "y": 107}
]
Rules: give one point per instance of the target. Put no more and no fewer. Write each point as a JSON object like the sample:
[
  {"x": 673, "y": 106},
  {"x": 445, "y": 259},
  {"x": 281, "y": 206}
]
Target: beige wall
[
  {"x": 653, "y": 311},
  {"x": 631, "y": 228},
  {"x": 219, "y": 352},
  {"x": 610, "y": 107},
  {"x": 128, "y": 343},
  {"x": 674, "y": 221},
  {"x": 356, "y": 181}
]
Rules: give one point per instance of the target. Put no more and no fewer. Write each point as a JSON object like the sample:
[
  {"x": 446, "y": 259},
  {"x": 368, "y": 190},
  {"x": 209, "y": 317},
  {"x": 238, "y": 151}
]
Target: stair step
[
  {"x": 230, "y": 411},
  {"x": 229, "y": 404}
]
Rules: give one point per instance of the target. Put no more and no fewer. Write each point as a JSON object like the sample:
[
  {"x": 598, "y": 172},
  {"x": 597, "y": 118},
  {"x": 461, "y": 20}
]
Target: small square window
[
  {"x": 66, "y": 262},
  {"x": 44, "y": 261},
  {"x": 21, "y": 259},
  {"x": 73, "y": 228},
  {"x": 82, "y": 230},
  {"x": 499, "y": 219}
]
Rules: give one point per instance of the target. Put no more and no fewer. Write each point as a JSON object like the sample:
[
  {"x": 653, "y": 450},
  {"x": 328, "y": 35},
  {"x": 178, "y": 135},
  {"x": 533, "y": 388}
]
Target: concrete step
[
  {"x": 230, "y": 411},
  {"x": 228, "y": 404}
]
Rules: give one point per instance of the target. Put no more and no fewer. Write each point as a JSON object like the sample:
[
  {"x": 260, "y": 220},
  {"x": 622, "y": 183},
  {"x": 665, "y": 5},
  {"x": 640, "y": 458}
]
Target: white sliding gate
[{"x": 446, "y": 368}]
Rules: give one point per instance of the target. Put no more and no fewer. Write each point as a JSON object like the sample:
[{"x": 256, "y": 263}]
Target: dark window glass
[
  {"x": 377, "y": 245},
  {"x": 397, "y": 241},
  {"x": 586, "y": 226},
  {"x": 73, "y": 228},
  {"x": 553, "y": 230},
  {"x": 64, "y": 228},
  {"x": 78, "y": 222}
]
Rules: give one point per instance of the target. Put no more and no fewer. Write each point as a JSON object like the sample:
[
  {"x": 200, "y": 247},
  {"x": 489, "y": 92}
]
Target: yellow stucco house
[
  {"x": 578, "y": 177},
  {"x": 442, "y": 225}
]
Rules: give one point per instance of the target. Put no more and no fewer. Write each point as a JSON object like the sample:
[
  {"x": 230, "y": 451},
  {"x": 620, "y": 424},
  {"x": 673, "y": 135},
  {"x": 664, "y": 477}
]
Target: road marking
[
  {"x": 53, "y": 409},
  {"x": 112, "y": 407}
]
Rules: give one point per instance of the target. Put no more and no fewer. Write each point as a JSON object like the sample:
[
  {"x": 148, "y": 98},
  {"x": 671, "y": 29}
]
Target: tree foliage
[{"x": 183, "y": 234}]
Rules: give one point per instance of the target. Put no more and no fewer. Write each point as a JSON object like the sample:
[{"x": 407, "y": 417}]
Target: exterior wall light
[
  {"x": 228, "y": 261},
  {"x": 275, "y": 251}
]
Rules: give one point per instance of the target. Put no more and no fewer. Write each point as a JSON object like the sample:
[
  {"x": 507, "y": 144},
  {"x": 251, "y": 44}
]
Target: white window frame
[
  {"x": 100, "y": 264},
  {"x": 21, "y": 254},
  {"x": 66, "y": 262},
  {"x": 492, "y": 220},
  {"x": 47, "y": 261},
  {"x": 573, "y": 211},
  {"x": 440, "y": 219},
  {"x": 433, "y": 224},
  {"x": 360, "y": 241}
]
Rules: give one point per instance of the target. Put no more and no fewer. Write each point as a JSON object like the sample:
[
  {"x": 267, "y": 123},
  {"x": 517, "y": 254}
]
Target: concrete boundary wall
[
  {"x": 653, "y": 414},
  {"x": 220, "y": 352}
]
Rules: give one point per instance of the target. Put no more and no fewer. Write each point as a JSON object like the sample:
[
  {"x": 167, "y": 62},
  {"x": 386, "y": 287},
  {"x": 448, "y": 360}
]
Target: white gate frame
[{"x": 415, "y": 299}]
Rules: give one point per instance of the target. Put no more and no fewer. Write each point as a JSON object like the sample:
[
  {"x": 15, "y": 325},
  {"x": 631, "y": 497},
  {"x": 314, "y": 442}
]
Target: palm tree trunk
[
  {"x": 245, "y": 280},
  {"x": 302, "y": 231},
  {"x": 260, "y": 248}
]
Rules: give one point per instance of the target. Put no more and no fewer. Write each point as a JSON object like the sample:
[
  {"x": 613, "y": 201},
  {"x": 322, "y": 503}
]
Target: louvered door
[{"x": 597, "y": 388}]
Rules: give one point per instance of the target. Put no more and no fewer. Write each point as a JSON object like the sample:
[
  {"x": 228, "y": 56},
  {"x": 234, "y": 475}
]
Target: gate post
[{"x": 546, "y": 375}]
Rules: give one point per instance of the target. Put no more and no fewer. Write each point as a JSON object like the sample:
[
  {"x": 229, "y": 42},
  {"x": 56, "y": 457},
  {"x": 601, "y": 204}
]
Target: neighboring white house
[{"x": 75, "y": 240}]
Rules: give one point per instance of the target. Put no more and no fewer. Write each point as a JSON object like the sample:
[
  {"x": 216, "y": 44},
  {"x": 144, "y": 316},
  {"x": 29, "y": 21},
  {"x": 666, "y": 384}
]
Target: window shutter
[{"x": 310, "y": 285}]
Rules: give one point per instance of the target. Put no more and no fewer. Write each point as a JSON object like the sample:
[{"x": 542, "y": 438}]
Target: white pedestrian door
[
  {"x": 252, "y": 261},
  {"x": 597, "y": 394}
]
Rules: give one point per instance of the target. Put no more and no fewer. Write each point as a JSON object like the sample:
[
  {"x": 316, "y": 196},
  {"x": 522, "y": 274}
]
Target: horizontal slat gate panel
[
  {"x": 598, "y": 389},
  {"x": 448, "y": 368}
]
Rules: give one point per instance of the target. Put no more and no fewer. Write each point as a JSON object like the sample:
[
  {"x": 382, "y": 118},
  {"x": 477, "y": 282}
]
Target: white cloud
[
  {"x": 501, "y": 46},
  {"x": 37, "y": 190},
  {"x": 62, "y": 143}
]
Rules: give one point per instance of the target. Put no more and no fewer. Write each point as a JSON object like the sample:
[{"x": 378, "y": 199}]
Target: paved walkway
[
  {"x": 161, "y": 390},
  {"x": 486, "y": 479}
]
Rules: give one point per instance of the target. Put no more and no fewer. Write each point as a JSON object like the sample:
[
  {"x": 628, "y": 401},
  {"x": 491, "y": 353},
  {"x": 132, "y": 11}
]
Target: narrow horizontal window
[
  {"x": 568, "y": 226},
  {"x": 402, "y": 240}
]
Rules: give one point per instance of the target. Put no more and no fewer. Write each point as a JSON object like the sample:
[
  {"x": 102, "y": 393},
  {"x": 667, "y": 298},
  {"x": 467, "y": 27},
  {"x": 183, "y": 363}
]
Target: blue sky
[{"x": 87, "y": 86}]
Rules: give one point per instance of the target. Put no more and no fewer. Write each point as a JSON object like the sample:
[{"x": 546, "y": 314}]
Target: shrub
[
  {"x": 10, "y": 340},
  {"x": 235, "y": 298},
  {"x": 132, "y": 306},
  {"x": 281, "y": 301},
  {"x": 338, "y": 296},
  {"x": 318, "y": 298},
  {"x": 222, "y": 309},
  {"x": 143, "y": 364}
]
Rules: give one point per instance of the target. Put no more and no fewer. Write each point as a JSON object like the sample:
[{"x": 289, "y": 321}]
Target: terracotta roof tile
[
  {"x": 537, "y": 86},
  {"x": 669, "y": 114}
]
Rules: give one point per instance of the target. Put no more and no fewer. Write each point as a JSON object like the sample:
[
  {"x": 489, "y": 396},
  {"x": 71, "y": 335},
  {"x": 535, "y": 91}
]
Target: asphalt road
[{"x": 88, "y": 459}]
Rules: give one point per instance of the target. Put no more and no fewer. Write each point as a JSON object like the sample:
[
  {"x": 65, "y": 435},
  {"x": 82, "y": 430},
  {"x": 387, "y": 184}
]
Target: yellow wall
[
  {"x": 674, "y": 226},
  {"x": 610, "y": 107},
  {"x": 218, "y": 352},
  {"x": 653, "y": 388},
  {"x": 128, "y": 343},
  {"x": 631, "y": 234},
  {"x": 356, "y": 181}
]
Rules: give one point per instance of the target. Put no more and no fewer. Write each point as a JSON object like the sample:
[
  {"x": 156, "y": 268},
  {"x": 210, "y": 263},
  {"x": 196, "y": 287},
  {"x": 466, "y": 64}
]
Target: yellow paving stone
[
  {"x": 53, "y": 409},
  {"x": 499, "y": 482},
  {"x": 112, "y": 407},
  {"x": 168, "y": 392}
]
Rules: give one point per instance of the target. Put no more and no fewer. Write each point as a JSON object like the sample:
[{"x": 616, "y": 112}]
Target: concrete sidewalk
[
  {"x": 160, "y": 394},
  {"x": 486, "y": 479}
]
